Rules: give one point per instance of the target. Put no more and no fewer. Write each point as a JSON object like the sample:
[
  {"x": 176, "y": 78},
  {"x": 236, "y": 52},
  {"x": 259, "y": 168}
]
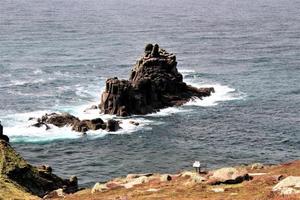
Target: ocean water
[{"x": 56, "y": 55}]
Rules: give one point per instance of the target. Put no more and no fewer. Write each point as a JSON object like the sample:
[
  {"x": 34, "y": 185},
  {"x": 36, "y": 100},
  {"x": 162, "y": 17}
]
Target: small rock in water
[
  {"x": 112, "y": 125},
  {"x": 134, "y": 123}
]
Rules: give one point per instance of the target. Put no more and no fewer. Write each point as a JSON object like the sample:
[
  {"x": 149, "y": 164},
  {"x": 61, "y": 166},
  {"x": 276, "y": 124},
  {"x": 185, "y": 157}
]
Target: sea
[{"x": 55, "y": 56}]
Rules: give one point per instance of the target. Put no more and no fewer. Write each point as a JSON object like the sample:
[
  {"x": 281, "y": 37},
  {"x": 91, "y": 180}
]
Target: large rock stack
[{"x": 154, "y": 83}]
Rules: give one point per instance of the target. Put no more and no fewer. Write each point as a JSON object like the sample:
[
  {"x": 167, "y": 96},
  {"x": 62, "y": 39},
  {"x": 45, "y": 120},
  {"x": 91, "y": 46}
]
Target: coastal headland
[
  {"x": 154, "y": 83},
  {"x": 20, "y": 180}
]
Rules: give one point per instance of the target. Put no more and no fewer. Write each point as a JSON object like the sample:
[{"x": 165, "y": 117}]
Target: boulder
[
  {"x": 45, "y": 168},
  {"x": 66, "y": 119},
  {"x": 228, "y": 175},
  {"x": 193, "y": 177},
  {"x": 257, "y": 166},
  {"x": 60, "y": 120},
  {"x": 154, "y": 83},
  {"x": 98, "y": 187},
  {"x": 134, "y": 123},
  {"x": 137, "y": 181},
  {"x": 55, "y": 194},
  {"x": 85, "y": 125},
  {"x": 289, "y": 185},
  {"x": 112, "y": 125}
]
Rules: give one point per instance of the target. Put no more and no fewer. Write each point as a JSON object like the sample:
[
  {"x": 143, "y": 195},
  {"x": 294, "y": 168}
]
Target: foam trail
[
  {"x": 222, "y": 93},
  {"x": 168, "y": 111},
  {"x": 18, "y": 128}
]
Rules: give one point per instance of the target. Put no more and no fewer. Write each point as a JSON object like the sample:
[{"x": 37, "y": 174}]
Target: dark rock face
[
  {"x": 2, "y": 136},
  {"x": 60, "y": 120},
  {"x": 77, "y": 125},
  {"x": 154, "y": 83},
  {"x": 85, "y": 125},
  {"x": 112, "y": 125}
]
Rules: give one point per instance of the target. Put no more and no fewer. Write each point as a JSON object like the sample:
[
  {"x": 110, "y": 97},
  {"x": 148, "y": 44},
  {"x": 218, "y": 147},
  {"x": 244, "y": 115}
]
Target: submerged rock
[
  {"x": 134, "y": 123},
  {"x": 154, "y": 83}
]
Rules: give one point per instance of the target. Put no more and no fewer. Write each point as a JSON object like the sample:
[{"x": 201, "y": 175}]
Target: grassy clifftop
[
  {"x": 20, "y": 180},
  {"x": 9, "y": 162}
]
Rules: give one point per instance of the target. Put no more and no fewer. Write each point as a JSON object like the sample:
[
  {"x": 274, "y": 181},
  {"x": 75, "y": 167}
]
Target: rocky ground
[
  {"x": 256, "y": 181},
  {"x": 20, "y": 180}
]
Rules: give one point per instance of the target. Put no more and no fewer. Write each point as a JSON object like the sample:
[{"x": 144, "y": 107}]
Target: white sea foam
[
  {"x": 29, "y": 81},
  {"x": 32, "y": 134},
  {"x": 168, "y": 111},
  {"x": 38, "y": 71},
  {"x": 186, "y": 71},
  {"x": 19, "y": 129},
  {"x": 222, "y": 93}
]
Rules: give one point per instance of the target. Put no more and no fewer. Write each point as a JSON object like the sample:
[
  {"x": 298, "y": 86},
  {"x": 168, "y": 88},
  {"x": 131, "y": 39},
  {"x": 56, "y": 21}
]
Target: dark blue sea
[{"x": 55, "y": 56}]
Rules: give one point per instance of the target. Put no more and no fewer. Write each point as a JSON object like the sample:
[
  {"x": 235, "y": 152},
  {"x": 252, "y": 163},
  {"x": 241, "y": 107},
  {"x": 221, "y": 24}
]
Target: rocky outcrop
[
  {"x": 2, "y": 136},
  {"x": 228, "y": 175},
  {"x": 85, "y": 125},
  {"x": 66, "y": 119},
  {"x": 154, "y": 83},
  {"x": 112, "y": 125},
  {"x": 17, "y": 175},
  {"x": 289, "y": 185}
]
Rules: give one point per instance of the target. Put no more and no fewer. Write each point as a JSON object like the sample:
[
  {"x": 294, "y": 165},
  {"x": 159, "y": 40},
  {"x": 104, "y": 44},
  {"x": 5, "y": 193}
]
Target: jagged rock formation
[
  {"x": 20, "y": 179},
  {"x": 154, "y": 83},
  {"x": 2, "y": 136},
  {"x": 66, "y": 119}
]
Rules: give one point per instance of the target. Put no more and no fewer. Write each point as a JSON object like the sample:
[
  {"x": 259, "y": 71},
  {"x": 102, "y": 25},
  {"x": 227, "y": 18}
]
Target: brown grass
[{"x": 259, "y": 188}]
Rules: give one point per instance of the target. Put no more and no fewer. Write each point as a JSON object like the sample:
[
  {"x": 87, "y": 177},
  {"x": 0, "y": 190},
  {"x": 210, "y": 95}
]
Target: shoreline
[
  {"x": 244, "y": 182},
  {"x": 254, "y": 181}
]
